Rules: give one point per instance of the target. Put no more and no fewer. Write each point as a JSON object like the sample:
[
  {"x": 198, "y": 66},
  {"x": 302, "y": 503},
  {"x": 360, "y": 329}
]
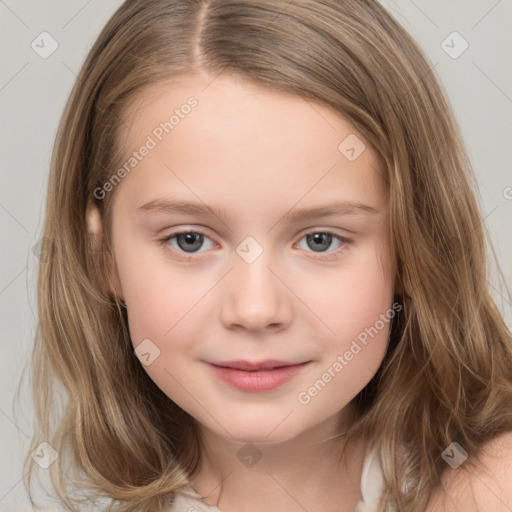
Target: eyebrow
[{"x": 170, "y": 206}]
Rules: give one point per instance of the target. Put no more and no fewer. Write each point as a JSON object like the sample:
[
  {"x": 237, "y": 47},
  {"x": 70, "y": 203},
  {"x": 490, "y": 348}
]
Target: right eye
[{"x": 187, "y": 242}]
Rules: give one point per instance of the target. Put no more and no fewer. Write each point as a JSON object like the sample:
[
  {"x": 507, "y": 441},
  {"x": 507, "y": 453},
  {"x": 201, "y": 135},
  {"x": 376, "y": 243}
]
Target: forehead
[{"x": 239, "y": 135}]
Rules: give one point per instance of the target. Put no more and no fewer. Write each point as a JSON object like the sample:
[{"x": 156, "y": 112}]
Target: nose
[{"x": 255, "y": 298}]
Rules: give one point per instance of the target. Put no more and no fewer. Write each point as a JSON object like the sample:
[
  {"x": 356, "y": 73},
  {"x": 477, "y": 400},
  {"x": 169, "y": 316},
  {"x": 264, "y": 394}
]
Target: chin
[
  {"x": 261, "y": 438},
  {"x": 264, "y": 432}
]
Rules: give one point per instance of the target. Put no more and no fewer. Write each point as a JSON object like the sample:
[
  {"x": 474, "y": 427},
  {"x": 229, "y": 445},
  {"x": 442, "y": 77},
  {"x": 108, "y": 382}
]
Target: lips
[
  {"x": 256, "y": 376},
  {"x": 268, "y": 364}
]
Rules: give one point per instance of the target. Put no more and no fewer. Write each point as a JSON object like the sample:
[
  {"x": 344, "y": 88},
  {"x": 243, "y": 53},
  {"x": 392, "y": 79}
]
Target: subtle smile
[{"x": 256, "y": 377}]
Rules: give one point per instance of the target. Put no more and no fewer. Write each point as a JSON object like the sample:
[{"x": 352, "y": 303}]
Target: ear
[{"x": 95, "y": 228}]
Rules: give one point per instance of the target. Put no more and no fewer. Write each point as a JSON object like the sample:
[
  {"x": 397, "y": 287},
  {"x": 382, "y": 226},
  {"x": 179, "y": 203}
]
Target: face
[{"x": 251, "y": 247}]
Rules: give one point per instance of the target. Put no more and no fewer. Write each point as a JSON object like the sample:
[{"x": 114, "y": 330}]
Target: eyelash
[{"x": 327, "y": 255}]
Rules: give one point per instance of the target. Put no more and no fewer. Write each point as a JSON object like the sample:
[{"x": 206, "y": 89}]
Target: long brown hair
[{"x": 447, "y": 375}]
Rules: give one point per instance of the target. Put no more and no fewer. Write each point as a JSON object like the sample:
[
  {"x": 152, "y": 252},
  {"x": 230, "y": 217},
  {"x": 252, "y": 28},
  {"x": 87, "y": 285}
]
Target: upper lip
[{"x": 267, "y": 364}]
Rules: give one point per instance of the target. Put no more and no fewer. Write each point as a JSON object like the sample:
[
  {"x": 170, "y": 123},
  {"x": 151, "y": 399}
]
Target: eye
[
  {"x": 319, "y": 241},
  {"x": 190, "y": 242},
  {"x": 185, "y": 241}
]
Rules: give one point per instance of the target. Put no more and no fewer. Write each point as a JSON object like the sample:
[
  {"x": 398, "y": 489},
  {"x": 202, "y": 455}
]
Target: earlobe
[
  {"x": 95, "y": 228},
  {"x": 94, "y": 223}
]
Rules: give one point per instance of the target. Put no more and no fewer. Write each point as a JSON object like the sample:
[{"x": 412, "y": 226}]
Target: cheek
[
  {"x": 352, "y": 356},
  {"x": 359, "y": 309},
  {"x": 165, "y": 309},
  {"x": 158, "y": 297},
  {"x": 350, "y": 299},
  {"x": 164, "y": 319}
]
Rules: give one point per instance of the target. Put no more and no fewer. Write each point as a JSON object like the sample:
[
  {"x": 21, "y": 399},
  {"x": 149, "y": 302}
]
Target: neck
[{"x": 314, "y": 471}]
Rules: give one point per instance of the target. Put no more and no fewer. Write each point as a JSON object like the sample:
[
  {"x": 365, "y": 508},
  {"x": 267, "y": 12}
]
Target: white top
[{"x": 372, "y": 484}]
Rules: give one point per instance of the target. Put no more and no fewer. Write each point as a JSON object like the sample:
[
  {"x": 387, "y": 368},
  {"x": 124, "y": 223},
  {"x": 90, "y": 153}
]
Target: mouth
[{"x": 257, "y": 376}]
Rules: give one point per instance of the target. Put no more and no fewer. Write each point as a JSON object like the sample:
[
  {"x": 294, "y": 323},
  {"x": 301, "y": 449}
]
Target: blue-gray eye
[
  {"x": 319, "y": 241},
  {"x": 189, "y": 241}
]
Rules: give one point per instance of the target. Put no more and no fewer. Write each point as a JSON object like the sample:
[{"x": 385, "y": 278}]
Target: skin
[{"x": 257, "y": 155}]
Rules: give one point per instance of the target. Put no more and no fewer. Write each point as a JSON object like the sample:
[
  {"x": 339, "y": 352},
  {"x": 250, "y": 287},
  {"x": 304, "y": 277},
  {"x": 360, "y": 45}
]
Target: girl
[{"x": 265, "y": 279}]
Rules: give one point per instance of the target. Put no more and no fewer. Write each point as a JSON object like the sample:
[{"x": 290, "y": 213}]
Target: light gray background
[{"x": 33, "y": 91}]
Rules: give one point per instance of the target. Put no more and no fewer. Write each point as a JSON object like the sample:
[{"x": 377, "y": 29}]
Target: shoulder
[{"x": 484, "y": 486}]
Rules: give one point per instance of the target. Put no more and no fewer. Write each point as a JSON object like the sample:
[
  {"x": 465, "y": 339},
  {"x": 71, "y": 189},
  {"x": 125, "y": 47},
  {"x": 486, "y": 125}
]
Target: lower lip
[{"x": 261, "y": 380}]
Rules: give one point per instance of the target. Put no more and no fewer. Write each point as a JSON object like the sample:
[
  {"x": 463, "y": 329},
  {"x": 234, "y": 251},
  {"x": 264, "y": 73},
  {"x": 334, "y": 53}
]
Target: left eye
[
  {"x": 191, "y": 241},
  {"x": 318, "y": 241}
]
